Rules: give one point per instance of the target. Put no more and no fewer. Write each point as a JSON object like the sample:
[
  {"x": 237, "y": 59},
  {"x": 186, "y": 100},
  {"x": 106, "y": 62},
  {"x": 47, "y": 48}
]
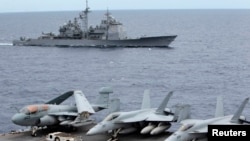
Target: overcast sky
[{"x": 75, "y": 5}]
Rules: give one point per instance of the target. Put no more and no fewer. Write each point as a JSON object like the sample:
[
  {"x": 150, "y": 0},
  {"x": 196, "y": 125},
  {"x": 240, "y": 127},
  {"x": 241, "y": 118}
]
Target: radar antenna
[
  {"x": 108, "y": 23},
  {"x": 84, "y": 17}
]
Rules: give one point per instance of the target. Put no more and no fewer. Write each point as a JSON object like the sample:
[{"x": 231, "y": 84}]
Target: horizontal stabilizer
[
  {"x": 58, "y": 100},
  {"x": 82, "y": 123},
  {"x": 65, "y": 123},
  {"x": 82, "y": 103}
]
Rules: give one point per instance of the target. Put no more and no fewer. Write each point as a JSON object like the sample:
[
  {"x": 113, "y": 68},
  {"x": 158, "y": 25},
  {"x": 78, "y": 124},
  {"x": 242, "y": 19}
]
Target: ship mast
[
  {"x": 84, "y": 17},
  {"x": 108, "y": 22}
]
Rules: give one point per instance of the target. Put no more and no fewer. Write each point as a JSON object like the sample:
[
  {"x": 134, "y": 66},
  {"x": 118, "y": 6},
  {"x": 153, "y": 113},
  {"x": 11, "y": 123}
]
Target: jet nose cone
[
  {"x": 91, "y": 132},
  {"x": 174, "y": 137},
  {"x": 94, "y": 130},
  {"x": 100, "y": 128},
  {"x": 17, "y": 119}
]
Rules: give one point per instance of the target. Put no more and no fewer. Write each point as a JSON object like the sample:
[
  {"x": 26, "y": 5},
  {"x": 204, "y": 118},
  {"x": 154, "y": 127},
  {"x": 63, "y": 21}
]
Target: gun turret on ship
[{"x": 109, "y": 33}]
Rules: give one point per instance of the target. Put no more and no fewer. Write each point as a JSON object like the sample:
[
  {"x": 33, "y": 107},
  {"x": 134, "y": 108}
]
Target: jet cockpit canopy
[{"x": 31, "y": 109}]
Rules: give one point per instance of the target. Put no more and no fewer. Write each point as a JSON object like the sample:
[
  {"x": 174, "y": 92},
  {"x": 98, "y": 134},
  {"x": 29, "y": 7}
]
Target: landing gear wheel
[
  {"x": 34, "y": 131},
  {"x": 34, "y": 134},
  {"x": 57, "y": 139},
  {"x": 114, "y": 136}
]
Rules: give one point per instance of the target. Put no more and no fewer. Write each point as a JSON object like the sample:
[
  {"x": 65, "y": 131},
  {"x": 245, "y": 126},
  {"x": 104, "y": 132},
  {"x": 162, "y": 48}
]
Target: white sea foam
[{"x": 6, "y": 44}]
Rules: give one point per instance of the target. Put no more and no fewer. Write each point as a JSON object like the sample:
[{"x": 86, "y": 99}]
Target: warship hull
[{"x": 158, "y": 41}]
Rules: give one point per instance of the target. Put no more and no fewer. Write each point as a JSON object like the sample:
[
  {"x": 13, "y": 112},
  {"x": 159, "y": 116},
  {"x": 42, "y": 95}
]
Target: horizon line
[{"x": 38, "y": 11}]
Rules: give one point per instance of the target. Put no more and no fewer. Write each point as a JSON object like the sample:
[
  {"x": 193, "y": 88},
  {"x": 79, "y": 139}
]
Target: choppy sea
[{"x": 210, "y": 57}]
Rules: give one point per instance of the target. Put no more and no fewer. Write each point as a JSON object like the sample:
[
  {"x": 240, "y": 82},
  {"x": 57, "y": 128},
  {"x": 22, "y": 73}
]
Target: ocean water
[{"x": 210, "y": 57}]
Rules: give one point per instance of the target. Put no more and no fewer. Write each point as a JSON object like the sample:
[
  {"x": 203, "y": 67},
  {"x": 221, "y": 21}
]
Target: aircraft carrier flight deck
[{"x": 81, "y": 132}]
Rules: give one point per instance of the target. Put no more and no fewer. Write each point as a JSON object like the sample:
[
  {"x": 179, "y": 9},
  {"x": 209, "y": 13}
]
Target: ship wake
[{"x": 6, "y": 44}]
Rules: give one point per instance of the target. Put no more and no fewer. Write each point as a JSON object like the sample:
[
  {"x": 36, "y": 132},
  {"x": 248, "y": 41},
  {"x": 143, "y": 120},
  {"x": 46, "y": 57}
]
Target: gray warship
[{"x": 110, "y": 33}]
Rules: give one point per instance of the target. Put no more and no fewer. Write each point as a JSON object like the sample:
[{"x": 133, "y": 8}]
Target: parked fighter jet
[
  {"x": 52, "y": 114},
  {"x": 146, "y": 120},
  {"x": 196, "y": 130}
]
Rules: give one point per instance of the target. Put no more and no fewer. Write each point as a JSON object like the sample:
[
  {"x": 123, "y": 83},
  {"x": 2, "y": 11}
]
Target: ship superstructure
[{"x": 109, "y": 32}]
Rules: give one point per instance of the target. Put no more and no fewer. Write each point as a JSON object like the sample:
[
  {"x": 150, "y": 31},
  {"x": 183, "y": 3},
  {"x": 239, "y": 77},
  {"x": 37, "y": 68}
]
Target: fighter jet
[
  {"x": 196, "y": 130},
  {"x": 53, "y": 114},
  {"x": 147, "y": 120}
]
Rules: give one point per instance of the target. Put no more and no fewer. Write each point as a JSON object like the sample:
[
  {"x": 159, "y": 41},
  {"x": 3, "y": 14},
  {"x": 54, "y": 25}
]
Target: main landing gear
[
  {"x": 34, "y": 131},
  {"x": 114, "y": 136}
]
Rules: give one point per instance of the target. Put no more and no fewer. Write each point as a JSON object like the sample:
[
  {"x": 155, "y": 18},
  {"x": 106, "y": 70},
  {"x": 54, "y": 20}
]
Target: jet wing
[
  {"x": 145, "y": 116},
  {"x": 82, "y": 103},
  {"x": 188, "y": 123},
  {"x": 63, "y": 114},
  {"x": 132, "y": 119},
  {"x": 191, "y": 121},
  {"x": 155, "y": 117},
  {"x": 200, "y": 130},
  {"x": 58, "y": 100},
  {"x": 204, "y": 128}
]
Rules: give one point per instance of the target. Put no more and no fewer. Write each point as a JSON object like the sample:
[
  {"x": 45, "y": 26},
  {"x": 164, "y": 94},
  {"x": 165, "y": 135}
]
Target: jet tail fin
[
  {"x": 219, "y": 112},
  {"x": 103, "y": 99},
  {"x": 82, "y": 103},
  {"x": 161, "y": 108},
  {"x": 236, "y": 116},
  {"x": 114, "y": 105},
  {"x": 182, "y": 112},
  {"x": 146, "y": 100},
  {"x": 58, "y": 100}
]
